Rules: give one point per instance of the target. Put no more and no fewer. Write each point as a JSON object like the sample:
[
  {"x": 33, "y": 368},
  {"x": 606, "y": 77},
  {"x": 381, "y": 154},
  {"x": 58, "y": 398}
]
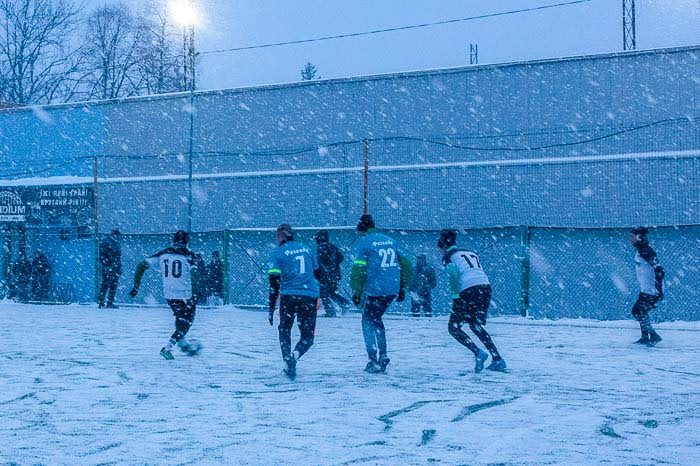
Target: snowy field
[{"x": 81, "y": 385}]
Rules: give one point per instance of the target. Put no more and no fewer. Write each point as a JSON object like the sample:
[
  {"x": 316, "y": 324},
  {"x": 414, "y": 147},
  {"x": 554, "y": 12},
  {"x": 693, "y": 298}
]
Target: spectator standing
[
  {"x": 215, "y": 277},
  {"x": 421, "y": 287},
  {"x": 111, "y": 265},
  {"x": 329, "y": 260}
]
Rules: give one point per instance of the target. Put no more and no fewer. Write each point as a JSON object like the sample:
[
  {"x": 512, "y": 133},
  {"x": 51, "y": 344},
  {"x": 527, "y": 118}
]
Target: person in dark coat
[
  {"x": 215, "y": 277},
  {"x": 21, "y": 278},
  {"x": 421, "y": 288},
  {"x": 41, "y": 277},
  {"x": 111, "y": 263},
  {"x": 329, "y": 260},
  {"x": 203, "y": 283}
]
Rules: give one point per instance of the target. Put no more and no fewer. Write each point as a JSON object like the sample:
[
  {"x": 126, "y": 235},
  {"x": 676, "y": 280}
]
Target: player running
[
  {"x": 379, "y": 275},
  {"x": 179, "y": 274},
  {"x": 471, "y": 296},
  {"x": 293, "y": 275},
  {"x": 650, "y": 276}
]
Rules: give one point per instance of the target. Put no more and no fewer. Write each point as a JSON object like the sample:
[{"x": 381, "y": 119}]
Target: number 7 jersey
[
  {"x": 464, "y": 269},
  {"x": 175, "y": 266},
  {"x": 296, "y": 264}
]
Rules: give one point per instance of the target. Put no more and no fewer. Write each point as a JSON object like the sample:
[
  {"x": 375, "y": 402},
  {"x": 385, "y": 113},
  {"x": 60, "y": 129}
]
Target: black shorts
[
  {"x": 183, "y": 308},
  {"x": 473, "y": 304},
  {"x": 645, "y": 303}
]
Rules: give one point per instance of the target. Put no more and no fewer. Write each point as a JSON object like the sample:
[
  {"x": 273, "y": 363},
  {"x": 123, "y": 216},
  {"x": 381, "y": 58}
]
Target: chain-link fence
[{"x": 544, "y": 272}]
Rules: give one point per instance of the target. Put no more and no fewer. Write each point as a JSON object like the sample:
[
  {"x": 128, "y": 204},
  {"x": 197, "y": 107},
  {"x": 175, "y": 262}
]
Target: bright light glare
[{"x": 183, "y": 12}]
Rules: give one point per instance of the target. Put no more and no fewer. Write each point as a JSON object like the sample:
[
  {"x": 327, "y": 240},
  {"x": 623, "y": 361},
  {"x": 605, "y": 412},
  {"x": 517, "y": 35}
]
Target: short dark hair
[
  {"x": 448, "y": 238},
  {"x": 366, "y": 222}
]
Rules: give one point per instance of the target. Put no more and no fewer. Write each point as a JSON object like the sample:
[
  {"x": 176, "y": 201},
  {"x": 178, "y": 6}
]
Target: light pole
[{"x": 185, "y": 14}]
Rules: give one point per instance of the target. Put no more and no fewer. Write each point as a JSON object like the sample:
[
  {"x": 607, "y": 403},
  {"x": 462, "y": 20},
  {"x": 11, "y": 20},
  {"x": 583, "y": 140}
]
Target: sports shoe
[
  {"x": 499, "y": 366},
  {"x": 654, "y": 338},
  {"x": 480, "y": 358},
  {"x": 383, "y": 362},
  {"x": 642, "y": 341},
  {"x": 291, "y": 369},
  {"x": 167, "y": 354},
  {"x": 373, "y": 367}
]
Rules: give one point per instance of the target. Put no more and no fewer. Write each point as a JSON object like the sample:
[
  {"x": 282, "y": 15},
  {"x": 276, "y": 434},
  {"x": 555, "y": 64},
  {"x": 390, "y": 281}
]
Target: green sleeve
[
  {"x": 358, "y": 277},
  {"x": 140, "y": 270},
  {"x": 453, "y": 275}
]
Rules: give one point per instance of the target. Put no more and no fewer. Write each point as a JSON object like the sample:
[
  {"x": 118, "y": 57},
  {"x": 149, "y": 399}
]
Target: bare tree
[
  {"x": 111, "y": 53},
  {"x": 161, "y": 57},
  {"x": 35, "y": 64}
]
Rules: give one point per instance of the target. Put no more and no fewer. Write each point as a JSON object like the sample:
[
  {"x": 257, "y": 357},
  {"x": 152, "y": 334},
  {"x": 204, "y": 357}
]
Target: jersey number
[
  {"x": 176, "y": 268},
  {"x": 302, "y": 264},
  {"x": 388, "y": 257},
  {"x": 473, "y": 257}
]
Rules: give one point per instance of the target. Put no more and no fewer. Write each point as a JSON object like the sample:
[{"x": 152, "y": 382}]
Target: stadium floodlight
[{"x": 183, "y": 12}]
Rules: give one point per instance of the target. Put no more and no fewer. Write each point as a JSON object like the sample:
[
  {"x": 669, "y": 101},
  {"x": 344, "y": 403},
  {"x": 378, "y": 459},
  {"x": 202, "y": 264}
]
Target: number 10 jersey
[{"x": 175, "y": 266}]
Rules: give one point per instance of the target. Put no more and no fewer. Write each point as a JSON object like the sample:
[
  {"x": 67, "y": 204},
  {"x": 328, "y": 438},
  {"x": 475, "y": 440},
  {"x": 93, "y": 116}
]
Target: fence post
[
  {"x": 365, "y": 194},
  {"x": 525, "y": 271},
  {"x": 95, "y": 200},
  {"x": 227, "y": 278}
]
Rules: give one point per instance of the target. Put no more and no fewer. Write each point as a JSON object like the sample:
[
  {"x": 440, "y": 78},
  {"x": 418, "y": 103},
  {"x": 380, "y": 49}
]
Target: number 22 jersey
[{"x": 175, "y": 265}]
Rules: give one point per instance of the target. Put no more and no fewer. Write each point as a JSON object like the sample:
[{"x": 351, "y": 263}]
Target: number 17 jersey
[
  {"x": 175, "y": 266},
  {"x": 296, "y": 264},
  {"x": 465, "y": 267}
]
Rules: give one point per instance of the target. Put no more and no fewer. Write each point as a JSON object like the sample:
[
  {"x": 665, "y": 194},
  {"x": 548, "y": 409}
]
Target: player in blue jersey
[
  {"x": 294, "y": 278},
  {"x": 379, "y": 275}
]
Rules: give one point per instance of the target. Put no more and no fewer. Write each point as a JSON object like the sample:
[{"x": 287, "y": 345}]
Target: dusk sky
[{"x": 584, "y": 28}]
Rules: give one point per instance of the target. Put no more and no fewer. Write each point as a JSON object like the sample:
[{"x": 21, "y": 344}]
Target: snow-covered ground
[{"x": 81, "y": 385}]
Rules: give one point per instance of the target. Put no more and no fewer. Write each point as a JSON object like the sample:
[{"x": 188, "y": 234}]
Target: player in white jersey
[
  {"x": 650, "y": 276},
  {"x": 471, "y": 296},
  {"x": 178, "y": 271}
]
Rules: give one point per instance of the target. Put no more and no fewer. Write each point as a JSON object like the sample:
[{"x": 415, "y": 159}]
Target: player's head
[
  {"x": 321, "y": 236},
  {"x": 182, "y": 238},
  {"x": 638, "y": 235},
  {"x": 284, "y": 233},
  {"x": 116, "y": 233},
  {"x": 447, "y": 239},
  {"x": 365, "y": 224}
]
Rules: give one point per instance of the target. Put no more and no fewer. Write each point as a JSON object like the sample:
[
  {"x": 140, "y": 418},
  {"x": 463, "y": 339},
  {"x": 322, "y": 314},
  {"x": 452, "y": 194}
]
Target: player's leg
[
  {"x": 104, "y": 286},
  {"x": 306, "y": 320},
  {"x": 428, "y": 305},
  {"x": 335, "y": 296},
  {"x": 370, "y": 310},
  {"x": 327, "y": 300},
  {"x": 415, "y": 306},
  {"x": 638, "y": 311},
  {"x": 287, "y": 313},
  {"x": 648, "y": 302},
  {"x": 113, "y": 281},
  {"x": 460, "y": 315}
]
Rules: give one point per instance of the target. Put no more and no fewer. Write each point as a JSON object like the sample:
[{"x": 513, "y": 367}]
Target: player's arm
[
  {"x": 453, "y": 275},
  {"x": 649, "y": 255},
  {"x": 275, "y": 281},
  {"x": 358, "y": 278},
  {"x": 138, "y": 276},
  {"x": 275, "y": 276},
  {"x": 406, "y": 270}
]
